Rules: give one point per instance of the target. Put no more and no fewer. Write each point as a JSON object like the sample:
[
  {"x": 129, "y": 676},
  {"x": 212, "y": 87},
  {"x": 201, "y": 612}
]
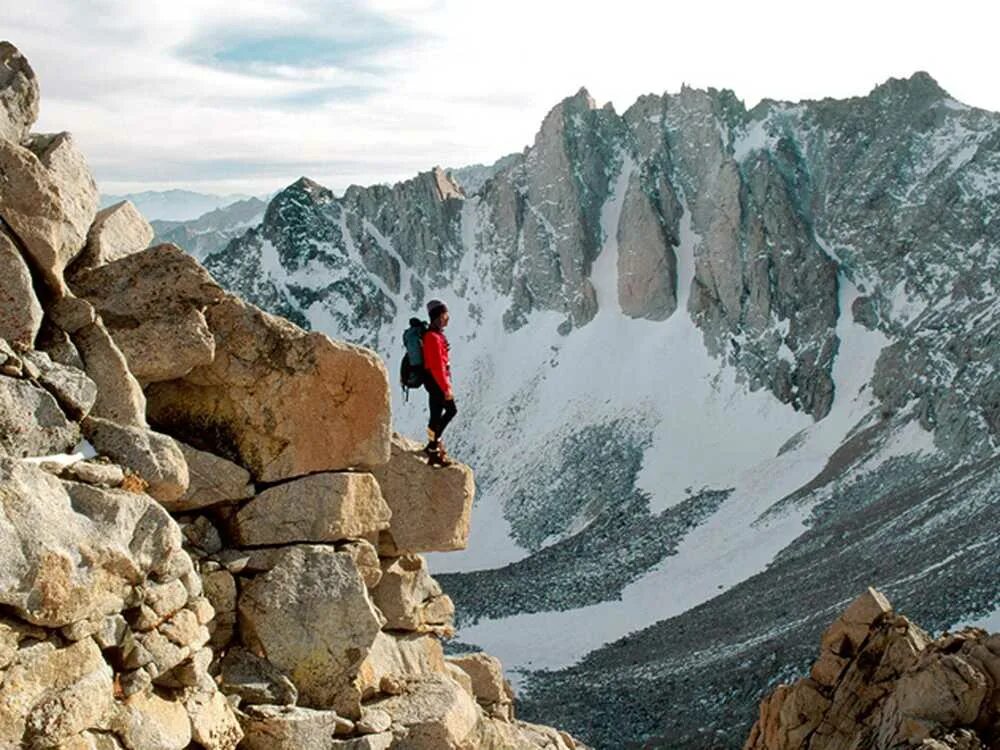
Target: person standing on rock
[{"x": 441, "y": 399}]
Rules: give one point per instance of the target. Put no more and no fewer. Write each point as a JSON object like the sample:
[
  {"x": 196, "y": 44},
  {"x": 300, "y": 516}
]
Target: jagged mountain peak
[
  {"x": 920, "y": 86},
  {"x": 576, "y": 105},
  {"x": 307, "y": 186},
  {"x": 583, "y": 95}
]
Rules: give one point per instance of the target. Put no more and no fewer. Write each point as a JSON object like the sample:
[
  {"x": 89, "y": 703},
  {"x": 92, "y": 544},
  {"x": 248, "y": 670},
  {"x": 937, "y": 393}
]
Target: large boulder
[
  {"x": 51, "y": 694},
  {"x": 843, "y": 639},
  {"x": 410, "y": 599},
  {"x": 117, "y": 231},
  {"x": 434, "y": 713},
  {"x": 431, "y": 506},
  {"x": 18, "y": 94},
  {"x": 365, "y": 556},
  {"x": 282, "y": 402},
  {"x": 212, "y": 480},
  {"x": 119, "y": 395},
  {"x": 20, "y": 312},
  {"x": 486, "y": 675},
  {"x": 327, "y": 507},
  {"x": 67, "y": 165},
  {"x": 153, "y": 303},
  {"x": 48, "y": 199},
  {"x": 31, "y": 422},
  {"x": 156, "y": 458},
  {"x": 311, "y": 617},
  {"x": 139, "y": 525}
]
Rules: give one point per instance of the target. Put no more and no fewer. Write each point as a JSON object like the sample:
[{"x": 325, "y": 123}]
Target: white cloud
[{"x": 422, "y": 82}]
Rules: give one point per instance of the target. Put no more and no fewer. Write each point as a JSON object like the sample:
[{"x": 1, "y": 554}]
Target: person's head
[{"x": 437, "y": 311}]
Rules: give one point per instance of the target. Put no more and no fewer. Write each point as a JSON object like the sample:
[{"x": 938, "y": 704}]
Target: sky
[{"x": 227, "y": 97}]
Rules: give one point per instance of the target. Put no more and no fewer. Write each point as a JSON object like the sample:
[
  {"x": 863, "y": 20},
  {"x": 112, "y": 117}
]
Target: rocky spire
[{"x": 881, "y": 681}]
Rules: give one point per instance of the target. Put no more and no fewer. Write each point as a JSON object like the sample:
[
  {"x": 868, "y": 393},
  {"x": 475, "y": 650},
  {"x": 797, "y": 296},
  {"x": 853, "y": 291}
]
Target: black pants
[{"x": 442, "y": 410}]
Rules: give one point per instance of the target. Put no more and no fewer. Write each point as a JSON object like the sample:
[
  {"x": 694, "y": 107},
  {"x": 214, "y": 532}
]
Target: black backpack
[{"x": 411, "y": 368}]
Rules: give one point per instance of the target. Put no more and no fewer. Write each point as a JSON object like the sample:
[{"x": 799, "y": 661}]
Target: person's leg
[
  {"x": 436, "y": 406},
  {"x": 449, "y": 411}
]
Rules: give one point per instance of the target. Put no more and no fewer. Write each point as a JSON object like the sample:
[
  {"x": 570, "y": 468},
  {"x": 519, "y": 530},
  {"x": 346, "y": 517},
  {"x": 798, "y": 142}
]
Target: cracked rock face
[
  {"x": 257, "y": 398},
  {"x": 310, "y": 616}
]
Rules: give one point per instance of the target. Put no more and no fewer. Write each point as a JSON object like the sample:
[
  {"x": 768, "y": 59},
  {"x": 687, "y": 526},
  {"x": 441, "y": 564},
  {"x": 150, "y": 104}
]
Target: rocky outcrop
[
  {"x": 68, "y": 560},
  {"x": 153, "y": 303},
  {"x": 41, "y": 205},
  {"x": 259, "y": 397},
  {"x": 31, "y": 422},
  {"x": 489, "y": 687},
  {"x": 117, "y": 231},
  {"x": 434, "y": 713},
  {"x": 410, "y": 599},
  {"x": 292, "y": 727},
  {"x": 77, "y": 557},
  {"x": 153, "y": 457},
  {"x": 119, "y": 395},
  {"x": 51, "y": 694},
  {"x": 73, "y": 390},
  {"x": 880, "y": 681},
  {"x": 430, "y": 507}
]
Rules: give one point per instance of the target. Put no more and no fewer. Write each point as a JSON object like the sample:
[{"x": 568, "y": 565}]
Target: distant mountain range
[
  {"x": 174, "y": 205},
  {"x": 211, "y": 231}
]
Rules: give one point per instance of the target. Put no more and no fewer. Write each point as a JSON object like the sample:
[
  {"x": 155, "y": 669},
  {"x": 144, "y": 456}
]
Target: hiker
[{"x": 437, "y": 381}]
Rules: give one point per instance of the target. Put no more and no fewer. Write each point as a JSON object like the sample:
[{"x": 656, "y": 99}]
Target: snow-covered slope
[{"x": 717, "y": 371}]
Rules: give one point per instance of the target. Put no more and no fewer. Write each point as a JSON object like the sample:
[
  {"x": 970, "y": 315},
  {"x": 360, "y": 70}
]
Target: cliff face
[{"x": 247, "y": 570}]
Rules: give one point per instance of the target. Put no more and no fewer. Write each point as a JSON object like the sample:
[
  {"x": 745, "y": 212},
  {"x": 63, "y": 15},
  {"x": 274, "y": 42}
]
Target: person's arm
[{"x": 434, "y": 362}]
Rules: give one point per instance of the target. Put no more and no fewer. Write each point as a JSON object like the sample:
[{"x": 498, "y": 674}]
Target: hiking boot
[
  {"x": 442, "y": 456},
  {"x": 432, "y": 448}
]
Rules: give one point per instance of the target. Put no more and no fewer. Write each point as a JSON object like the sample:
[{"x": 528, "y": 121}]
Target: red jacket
[{"x": 435, "y": 349}]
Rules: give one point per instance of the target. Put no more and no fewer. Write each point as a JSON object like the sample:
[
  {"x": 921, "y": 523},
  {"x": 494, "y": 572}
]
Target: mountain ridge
[{"x": 697, "y": 349}]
